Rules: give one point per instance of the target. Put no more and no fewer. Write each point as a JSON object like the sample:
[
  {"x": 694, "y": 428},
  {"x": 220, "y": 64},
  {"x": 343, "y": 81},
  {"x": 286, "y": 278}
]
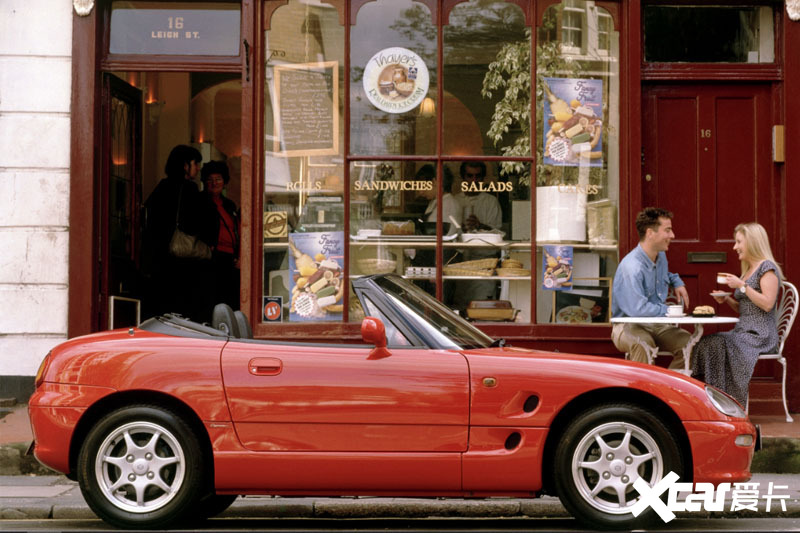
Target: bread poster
[
  {"x": 573, "y": 122},
  {"x": 317, "y": 283}
]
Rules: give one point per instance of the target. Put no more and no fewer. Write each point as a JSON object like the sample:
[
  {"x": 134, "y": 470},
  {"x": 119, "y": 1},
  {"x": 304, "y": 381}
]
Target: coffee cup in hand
[
  {"x": 674, "y": 310},
  {"x": 722, "y": 278}
]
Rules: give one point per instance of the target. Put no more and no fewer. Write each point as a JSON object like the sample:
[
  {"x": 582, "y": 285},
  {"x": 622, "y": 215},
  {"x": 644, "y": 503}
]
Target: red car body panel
[
  {"x": 299, "y": 419},
  {"x": 716, "y": 458},
  {"x": 338, "y": 399}
]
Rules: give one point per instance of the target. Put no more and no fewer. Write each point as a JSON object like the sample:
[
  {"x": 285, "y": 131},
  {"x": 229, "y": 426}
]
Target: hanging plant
[{"x": 509, "y": 75}]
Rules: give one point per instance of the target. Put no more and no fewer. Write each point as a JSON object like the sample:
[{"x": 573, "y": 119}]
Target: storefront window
[
  {"x": 486, "y": 43},
  {"x": 454, "y": 214},
  {"x": 393, "y": 79},
  {"x": 577, "y": 170},
  {"x": 303, "y": 215},
  {"x": 709, "y": 34}
]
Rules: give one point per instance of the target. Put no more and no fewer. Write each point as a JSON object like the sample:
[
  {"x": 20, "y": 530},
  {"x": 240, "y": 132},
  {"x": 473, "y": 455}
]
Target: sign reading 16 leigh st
[{"x": 175, "y": 29}]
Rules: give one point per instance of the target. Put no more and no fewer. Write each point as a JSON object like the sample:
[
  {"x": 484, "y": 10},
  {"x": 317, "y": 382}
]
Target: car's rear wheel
[
  {"x": 141, "y": 467},
  {"x": 600, "y": 456}
]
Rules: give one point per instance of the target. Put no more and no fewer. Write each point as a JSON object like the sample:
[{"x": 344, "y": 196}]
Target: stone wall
[{"x": 35, "y": 85}]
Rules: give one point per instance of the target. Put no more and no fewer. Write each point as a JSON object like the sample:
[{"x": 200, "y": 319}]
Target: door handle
[{"x": 265, "y": 366}]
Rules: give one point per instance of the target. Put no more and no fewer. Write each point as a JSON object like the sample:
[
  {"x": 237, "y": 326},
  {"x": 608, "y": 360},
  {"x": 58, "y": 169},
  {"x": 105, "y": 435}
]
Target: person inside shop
[
  {"x": 451, "y": 210},
  {"x": 641, "y": 285},
  {"x": 176, "y": 202},
  {"x": 726, "y": 360},
  {"x": 481, "y": 212},
  {"x": 224, "y": 217},
  {"x": 451, "y": 207}
]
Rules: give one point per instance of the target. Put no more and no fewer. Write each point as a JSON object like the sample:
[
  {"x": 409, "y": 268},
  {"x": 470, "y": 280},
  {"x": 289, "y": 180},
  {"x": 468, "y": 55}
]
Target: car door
[{"x": 370, "y": 422}]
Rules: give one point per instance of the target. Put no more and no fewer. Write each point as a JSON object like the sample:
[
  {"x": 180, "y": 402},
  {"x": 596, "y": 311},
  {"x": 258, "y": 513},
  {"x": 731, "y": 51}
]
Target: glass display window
[
  {"x": 577, "y": 165},
  {"x": 303, "y": 218},
  {"x": 709, "y": 34},
  {"x": 457, "y": 168},
  {"x": 393, "y": 79},
  {"x": 486, "y": 80}
]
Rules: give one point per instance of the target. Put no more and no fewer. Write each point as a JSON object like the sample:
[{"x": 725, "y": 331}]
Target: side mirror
[{"x": 374, "y": 332}]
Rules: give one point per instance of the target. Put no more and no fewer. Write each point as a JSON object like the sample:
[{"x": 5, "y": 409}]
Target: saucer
[
  {"x": 676, "y": 316},
  {"x": 720, "y": 293}
]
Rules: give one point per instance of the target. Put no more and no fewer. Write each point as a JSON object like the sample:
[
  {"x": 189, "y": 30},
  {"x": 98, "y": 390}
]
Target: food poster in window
[
  {"x": 557, "y": 267},
  {"x": 573, "y": 122},
  {"x": 589, "y": 301},
  {"x": 316, "y": 272}
]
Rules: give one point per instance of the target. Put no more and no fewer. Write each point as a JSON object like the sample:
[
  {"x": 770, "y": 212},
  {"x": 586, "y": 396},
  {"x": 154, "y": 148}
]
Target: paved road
[{"x": 419, "y": 525}]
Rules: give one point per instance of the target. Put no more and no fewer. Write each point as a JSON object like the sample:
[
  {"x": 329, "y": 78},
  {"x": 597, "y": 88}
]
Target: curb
[{"x": 356, "y": 508}]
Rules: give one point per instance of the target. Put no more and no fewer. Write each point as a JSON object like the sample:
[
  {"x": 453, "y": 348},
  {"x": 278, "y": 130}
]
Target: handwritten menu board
[{"x": 307, "y": 111}]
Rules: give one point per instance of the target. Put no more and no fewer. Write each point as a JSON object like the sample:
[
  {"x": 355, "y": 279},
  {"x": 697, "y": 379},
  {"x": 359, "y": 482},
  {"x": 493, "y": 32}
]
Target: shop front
[{"x": 495, "y": 152}]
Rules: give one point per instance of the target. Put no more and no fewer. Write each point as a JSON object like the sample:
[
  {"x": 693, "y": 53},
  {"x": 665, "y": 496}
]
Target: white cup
[
  {"x": 674, "y": 310},
  {"x": 722, "y": 278}
]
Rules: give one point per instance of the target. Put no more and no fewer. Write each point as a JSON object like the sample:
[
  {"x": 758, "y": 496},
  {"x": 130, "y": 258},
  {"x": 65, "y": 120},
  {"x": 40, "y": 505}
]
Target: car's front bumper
[{"x": 717, "y": 458}]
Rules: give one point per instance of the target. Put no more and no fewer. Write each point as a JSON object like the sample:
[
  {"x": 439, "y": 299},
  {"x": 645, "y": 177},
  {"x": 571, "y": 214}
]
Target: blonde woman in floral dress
[{"x": 726, "y": 360}]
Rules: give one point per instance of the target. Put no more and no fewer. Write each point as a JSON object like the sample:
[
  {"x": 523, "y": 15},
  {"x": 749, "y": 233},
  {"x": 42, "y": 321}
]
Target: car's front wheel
[
  {"x": 602, "y": 453},
  {"x": 141, "y": 467}
]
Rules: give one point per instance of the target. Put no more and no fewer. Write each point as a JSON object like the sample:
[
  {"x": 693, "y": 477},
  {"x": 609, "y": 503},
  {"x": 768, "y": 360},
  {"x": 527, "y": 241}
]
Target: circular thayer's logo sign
[{"x": 396, "y": 80}]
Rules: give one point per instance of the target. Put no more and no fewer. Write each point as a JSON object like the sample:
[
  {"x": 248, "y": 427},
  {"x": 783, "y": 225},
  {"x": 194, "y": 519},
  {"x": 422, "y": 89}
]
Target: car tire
[
  {"x": 141, "y": 467},
  {"x": 595, "y": 481}
]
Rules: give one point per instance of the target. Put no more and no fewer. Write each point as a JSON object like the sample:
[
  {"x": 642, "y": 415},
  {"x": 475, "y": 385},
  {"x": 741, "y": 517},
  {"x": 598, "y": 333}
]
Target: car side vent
[
  {"x": 513, "y": 440},
  {"x": 531, "y": 404}
]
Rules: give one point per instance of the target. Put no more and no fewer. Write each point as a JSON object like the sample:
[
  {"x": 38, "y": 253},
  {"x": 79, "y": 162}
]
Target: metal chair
[{"x": 787, "y": 311}]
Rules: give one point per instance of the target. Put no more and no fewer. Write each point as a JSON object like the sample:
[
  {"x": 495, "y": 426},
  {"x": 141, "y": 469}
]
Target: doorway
[
  {"x": 146, "y": 114},
  {"x": 706, "y": 156}
]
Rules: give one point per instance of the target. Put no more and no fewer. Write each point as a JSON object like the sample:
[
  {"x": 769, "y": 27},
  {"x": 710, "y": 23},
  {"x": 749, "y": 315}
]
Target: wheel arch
[
  {"x": 118, "y": 400},
  {"x": 612, "y": 395}
]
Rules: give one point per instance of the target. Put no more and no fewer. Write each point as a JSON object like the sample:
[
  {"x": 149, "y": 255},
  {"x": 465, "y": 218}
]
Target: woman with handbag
[
  {"x": 176, "y": 250},
  {"x": 224, "y": 217}
]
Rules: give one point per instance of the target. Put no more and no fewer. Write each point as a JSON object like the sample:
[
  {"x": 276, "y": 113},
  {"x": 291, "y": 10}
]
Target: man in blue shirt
[{"x": 640, "y": 288}]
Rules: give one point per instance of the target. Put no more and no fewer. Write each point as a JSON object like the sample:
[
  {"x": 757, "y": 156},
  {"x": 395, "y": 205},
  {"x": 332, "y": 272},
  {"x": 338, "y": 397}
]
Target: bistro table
[{"x": 695, "y": 321}]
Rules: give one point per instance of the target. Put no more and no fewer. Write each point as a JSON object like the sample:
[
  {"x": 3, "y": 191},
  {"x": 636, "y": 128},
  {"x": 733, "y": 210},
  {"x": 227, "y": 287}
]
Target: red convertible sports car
[{"x": 170, "y": 421}]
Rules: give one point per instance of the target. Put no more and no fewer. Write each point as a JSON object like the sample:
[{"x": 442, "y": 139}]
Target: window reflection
[
  {"x": 709, "y": 34},
  {"x": 393, "y": 55},
  {"x": 481, "y": 41},
  {"x": 303, "y": 213},
  {"x": 577, "y": 169}
]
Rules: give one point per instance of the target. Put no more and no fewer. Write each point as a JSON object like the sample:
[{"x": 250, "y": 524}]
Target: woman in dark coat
[
  {"x": 174, "y": 282},
  {"x": 224, "y": 218}
]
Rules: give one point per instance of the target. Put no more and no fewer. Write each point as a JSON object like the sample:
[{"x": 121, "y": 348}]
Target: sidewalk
[
  {"x": 30, "y": 491},
  {"x": 55, "y": 497}
]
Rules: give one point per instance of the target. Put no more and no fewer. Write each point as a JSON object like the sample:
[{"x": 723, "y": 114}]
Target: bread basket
[{"x": 376, "y": 266}]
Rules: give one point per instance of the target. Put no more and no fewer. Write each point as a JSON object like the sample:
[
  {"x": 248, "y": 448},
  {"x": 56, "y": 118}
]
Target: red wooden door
[{"x": 706, "y": 157}]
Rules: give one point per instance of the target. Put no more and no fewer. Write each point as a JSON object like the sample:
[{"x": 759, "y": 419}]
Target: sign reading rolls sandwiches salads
[{"x": 396, "y": 80}]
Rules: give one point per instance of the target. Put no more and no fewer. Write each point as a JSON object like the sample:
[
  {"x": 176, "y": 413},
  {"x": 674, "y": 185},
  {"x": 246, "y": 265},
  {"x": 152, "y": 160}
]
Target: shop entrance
[
  {"x": 120, "y": 198},
  {"x": 706, "y": 156},
  {"x": 145, "y": 115}
]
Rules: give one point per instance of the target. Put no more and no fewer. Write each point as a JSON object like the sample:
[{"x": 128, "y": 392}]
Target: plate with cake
[{"x": 703, "y": 311}]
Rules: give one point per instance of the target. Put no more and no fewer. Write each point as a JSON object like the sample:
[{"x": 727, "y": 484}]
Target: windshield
[{"x": 432, "y": 316}]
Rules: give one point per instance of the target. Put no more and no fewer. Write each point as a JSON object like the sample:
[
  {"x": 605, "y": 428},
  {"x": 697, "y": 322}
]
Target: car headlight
[
  {"x": 39, "y": 379},
  {"x": 724, "y": 403}
]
